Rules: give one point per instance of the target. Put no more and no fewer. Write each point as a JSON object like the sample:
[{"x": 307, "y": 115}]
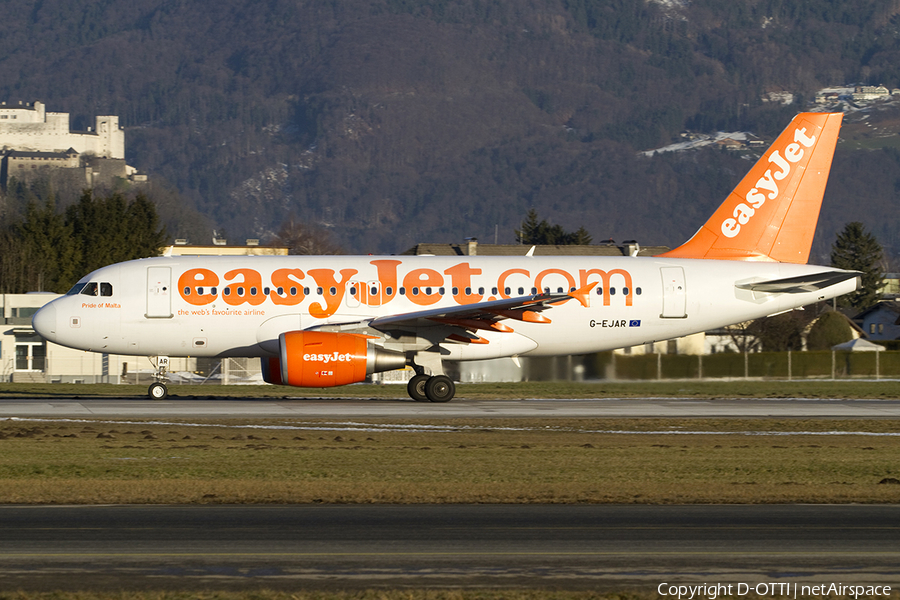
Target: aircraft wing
[
  {"x": 460, "y": 322},
  {"x": 481, "y": 315},
  {"x": 803, "y": 283}
]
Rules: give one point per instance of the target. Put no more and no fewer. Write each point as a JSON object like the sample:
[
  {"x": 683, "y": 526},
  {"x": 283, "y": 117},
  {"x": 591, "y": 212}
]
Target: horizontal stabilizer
[{"x": 803, "y": 283}]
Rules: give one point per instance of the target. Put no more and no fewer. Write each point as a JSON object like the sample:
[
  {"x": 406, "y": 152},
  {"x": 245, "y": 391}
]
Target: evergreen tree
[
  {"x": 49, "y": 251},
  {"x": 581, "y": 237},
  {"x": 530, "y": 228},
  {"x": 111, "y": 229},
  {"x": 857, "y": 250},
  {"x": 542, "y": 233}
]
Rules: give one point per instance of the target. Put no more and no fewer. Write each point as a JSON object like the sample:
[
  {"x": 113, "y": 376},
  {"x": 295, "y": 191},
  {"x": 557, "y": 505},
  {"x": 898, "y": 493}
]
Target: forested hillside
[{"x": 391, "y": 122}]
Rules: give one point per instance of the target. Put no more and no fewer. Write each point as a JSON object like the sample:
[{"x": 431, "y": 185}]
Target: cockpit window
[
  {"x": 105, "y": 289},
  {"x": 76, "y": 289},
  {"x": 90, "y": 289}
]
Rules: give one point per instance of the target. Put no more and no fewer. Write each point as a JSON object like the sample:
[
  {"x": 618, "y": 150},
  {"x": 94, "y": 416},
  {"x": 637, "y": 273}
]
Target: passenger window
[
  {"x": 90, "y": 289},
  {"x": 637, "y": 291},
  {"x": 105, "y": 289},
  {"x": 389, "y": 291}
]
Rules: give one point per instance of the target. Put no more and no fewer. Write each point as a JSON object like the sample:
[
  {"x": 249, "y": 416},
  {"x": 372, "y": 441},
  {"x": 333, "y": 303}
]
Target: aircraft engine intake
[{"x": 327, "y": 359}]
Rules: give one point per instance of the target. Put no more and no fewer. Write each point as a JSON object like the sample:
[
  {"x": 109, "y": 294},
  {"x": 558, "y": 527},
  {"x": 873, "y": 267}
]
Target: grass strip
[{"x": 452, "y": 461}]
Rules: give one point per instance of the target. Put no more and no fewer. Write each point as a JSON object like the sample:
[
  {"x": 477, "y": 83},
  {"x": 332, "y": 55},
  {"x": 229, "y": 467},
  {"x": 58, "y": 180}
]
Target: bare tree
[{"x": 303, "y": 238}]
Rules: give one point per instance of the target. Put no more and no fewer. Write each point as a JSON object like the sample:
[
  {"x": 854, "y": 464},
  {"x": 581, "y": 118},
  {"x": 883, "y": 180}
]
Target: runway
[
  {"x": 458, "y": 408},
  {"x": 361, "y": 546}
]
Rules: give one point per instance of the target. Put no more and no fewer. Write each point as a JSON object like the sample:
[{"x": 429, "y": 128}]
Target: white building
[
  {"x": 31, "y": 128},
  {"x": 870, "y": 92}
]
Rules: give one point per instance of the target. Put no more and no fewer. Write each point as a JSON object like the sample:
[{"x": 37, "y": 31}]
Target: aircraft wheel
[
  {"x": 416, "y": 388},
  {"x": 440, "y": 388},
  {"x": 157, "y": 391}
]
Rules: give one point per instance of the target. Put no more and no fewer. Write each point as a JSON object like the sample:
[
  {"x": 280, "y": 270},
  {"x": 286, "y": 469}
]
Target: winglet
[
  {"x": 771, "y": 215},
  {"x": 582, "y": 294}
]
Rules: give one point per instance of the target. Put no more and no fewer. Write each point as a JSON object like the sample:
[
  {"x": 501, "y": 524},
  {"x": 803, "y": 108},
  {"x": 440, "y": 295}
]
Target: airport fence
[{"x": 755, "y": 365}]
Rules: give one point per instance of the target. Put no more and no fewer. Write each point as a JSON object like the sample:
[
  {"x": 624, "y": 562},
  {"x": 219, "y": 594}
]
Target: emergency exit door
[{"x": 674, "y": 293}]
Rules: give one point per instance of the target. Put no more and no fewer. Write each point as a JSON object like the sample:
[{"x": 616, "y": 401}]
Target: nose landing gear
[{"x": 158, "y": 389}]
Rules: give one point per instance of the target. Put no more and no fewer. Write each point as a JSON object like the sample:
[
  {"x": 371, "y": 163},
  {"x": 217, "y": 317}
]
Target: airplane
[{"x": 322, "y": 321}]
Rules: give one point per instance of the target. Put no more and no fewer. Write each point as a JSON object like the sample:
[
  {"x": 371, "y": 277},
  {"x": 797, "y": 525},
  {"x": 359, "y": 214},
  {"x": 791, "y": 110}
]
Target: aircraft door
[
  {"x": 355, "y": 290},
  {"x": 674, "y": 293},
  {"x": 373, "y": 293},
  {"x": 159, "y": 293}
]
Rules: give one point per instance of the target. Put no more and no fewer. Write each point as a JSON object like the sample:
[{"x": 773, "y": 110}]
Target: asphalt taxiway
[
  {"x": 362, "y": 546},
  {"x": 340, "y": 408}
]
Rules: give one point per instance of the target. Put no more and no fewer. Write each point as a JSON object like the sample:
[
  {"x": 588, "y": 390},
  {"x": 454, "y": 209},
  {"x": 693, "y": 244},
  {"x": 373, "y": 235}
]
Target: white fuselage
[{"x": 238, "y": 306}]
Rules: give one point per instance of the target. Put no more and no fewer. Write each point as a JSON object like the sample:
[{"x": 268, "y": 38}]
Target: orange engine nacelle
[{"x": 326, "y": 359}]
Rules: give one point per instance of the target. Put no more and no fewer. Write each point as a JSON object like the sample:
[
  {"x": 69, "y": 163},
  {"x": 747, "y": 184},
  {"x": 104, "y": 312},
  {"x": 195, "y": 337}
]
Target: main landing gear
[{"x": 428, "y": 388}]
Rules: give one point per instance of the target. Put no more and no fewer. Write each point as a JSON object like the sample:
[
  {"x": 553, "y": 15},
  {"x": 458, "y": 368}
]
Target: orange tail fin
[{"x": 771, "y": 215}]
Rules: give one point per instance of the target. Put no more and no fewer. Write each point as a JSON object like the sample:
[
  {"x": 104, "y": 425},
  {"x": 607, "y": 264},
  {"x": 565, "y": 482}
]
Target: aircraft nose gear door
[
  {"x": 674, "y": 293},
  {"x": 159, "y": 293}
]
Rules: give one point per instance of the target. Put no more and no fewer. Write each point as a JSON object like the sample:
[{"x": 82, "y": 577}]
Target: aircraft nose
[{"x": 44, "y": 322}]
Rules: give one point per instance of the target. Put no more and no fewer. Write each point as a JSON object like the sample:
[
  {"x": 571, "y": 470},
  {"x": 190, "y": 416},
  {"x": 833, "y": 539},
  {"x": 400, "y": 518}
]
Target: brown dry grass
[{"x": 542, "y": 462}]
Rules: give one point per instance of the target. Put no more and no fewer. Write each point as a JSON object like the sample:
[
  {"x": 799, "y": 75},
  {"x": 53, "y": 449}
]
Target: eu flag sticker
[{"x": 634, "y": 323}]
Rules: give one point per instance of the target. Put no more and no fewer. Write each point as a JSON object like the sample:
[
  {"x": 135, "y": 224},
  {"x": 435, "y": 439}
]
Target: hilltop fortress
[{"x": 33, "y": 141}]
